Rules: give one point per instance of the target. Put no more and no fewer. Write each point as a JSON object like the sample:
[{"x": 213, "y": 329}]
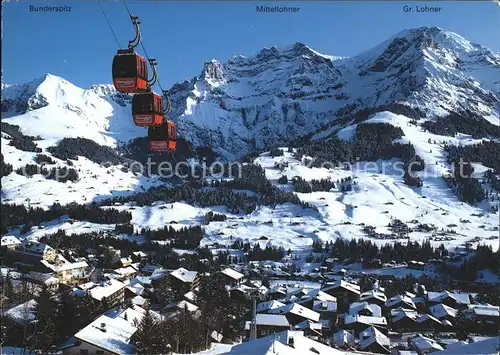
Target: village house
[
  {"x": 10, "y": 242},
  {"x": 484, "y": 314},
  {"x": 365, "y": 309},
  {"x": 326, "y": 309},
  {"x": 111, "y": 291},
  {"x": 442, "y": 311},
  {"x": 374, "y": 341},
  {"x": 311, "y": 329},
  {"x": 268, "y": 324},
  {"x": 33, "y": 251},
  {"x": 67, "y": 272},
  {"x": 232, "y": 277},
  {"x": 358, "y": 323},
  {"x": 183, "y": 279},
  {"x": 344, "y": 292},
  {"x": 403, "y": 301},
  {"x": 344, "y": 339},
  {"x": 424, "y": 345},
  {"x": 295, "y": 313},
  {"x": 451, "y": 299},
  {"x": 375, "y": 297},
  {"x": 265, "y": 307}
]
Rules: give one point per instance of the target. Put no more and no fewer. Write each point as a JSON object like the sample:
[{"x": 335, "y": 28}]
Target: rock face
[{"x": 281, "y": 94}]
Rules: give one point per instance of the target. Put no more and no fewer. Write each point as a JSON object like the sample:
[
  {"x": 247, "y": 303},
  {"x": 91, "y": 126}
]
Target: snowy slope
[{"x": 53, "y": 108}]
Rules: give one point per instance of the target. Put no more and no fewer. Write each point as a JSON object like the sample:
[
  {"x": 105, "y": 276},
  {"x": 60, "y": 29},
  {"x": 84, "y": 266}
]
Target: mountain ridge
[{"x": 280, "y": 94}]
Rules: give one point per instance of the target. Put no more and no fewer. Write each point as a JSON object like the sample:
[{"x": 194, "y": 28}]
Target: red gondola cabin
[
  {"x": 147, "y": 109},
  {"x": 162, "y": 138},
  {"x": 130, "y": 72}
]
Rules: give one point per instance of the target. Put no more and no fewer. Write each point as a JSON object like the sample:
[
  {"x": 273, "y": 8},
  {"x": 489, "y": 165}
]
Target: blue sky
[{"x": 79, "y": 46}]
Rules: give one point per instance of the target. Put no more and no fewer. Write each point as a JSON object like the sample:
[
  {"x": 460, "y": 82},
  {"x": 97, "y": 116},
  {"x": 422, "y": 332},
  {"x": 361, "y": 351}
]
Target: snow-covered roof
[
  {"x": 86, "y": 285},
  {"x": 22, "y": 312},
  {"x": 425, "y": 317},
  {"x": 343, "y": 284},
  {"x": 233, "y": 274},
  {"x": 356, "y": 307},
  {"x": 356, "y": 318},
  {"x": 65, "y": 266},
  {"x": 317, "y": 294},
  {"x": 184, "y": 275},
  {"x": 403, "y": 314},
  {"x": 460, "y": 298},
  {"x": 139, "y": 254},
  {"x": 297, "y": 309},
  {"x": 322, "y": 306},
  {"x": 182, "y": 305},
  {"x": 307, "y": 324},
  {"x": 441, "y": 310},
  {"x": 395, "y": 300},
  {"x": 35, "y": 247},
  {"x": 268, "y": 305},
  {"x": 483, "y": 310},
  {"x": 113, "y": 337},
  {"x": 343, "y": 337},
  {"x": 376, "y": 294},
  {"x": 107, "y": 289},
  {"x": 372, "y": 335},
  {"x": 139, "y": 301},
  {"x": 125, "y": 271},
  {"x": 425, "y": 344},
  {"x": 190, "y": 296},
  {"x": 277, "y": 344},
  {"x": 277, "y": 320},
  {"x": 9, "y": 240},
  {"x": 487, "y": 346}
]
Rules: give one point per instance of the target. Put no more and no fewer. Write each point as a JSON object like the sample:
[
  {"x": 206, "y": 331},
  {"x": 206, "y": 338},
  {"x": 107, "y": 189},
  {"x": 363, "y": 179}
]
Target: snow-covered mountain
[
  {"x": 277, "y": 95},
  {"x": 267, "y": 100}
]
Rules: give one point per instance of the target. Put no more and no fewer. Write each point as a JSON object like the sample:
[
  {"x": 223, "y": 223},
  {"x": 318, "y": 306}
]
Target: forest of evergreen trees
[
  {"x": 5, "y": 168},
  {"x": 60, "y": 174},
  {"x": 13, "y": 215},
  {"x": 18, "y": 139},
  {"x": 486, "y": 152},
  {"x": 371, "y": 142},
  {"x": 466, "y": 122},
  {"x": 301, "y": 185},
  {"x": 71, "y": 148}
]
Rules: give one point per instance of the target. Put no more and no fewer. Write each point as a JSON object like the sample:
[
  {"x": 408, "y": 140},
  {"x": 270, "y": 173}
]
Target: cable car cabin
[
  {"x": 130, "y": 72},
  {"x": 162, "y": 138},
  {"x": 147, "y": 109}
]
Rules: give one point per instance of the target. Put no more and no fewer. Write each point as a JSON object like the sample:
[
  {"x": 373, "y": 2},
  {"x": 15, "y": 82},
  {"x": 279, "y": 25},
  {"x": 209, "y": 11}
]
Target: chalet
[
  {"x": 66, "y": 271},
  {"x": 416, "y": 265},
  {"x": 307, "y": 297},
  {"x": 403, "y": 319},
  {"x": 455, "y": 300},
  {"x": 426, "y": 322},
  {"x": 344, "y": 291},
  {"x": 325, "y": 309},
  {"x": 181, "y": 305},
  {"x": 33, "y": 251},
  {"x": 183, "y": 279},
  {"x": 358, "y": 323},
  {"x": 374, "y": 296},
  {"x": 46, "y": 279},
  {"x": 424, "y": 345},
  {"x": 108, "y": 334},
  {"x": 138, "y": 256},
  {"x": 265, "y": 307},
  {"x": 374, "y": 341},
  {"x": 365, "y": 309},
  {"x": 190, "y": 297},
  {"x": 10, "y": 242},
  {"x": 481, "y": 313},
  {"x": 442, "y": 311},
  {"x": 124, "y": 273},
  {"x": 104, "y": 336},
  {"x": 232, "y": 277},
  {"x": 111, "y": 291},
  {"x": 277, "y": 293},
  {"x": 268, "y": 324},
  {"x": 403, "y": 301},
  {"x": 344, "y": 339},
  {"x": 295, "y": 313},
  {"x": 311, "y": 329},
  {"x": 124, "y": 262}
]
